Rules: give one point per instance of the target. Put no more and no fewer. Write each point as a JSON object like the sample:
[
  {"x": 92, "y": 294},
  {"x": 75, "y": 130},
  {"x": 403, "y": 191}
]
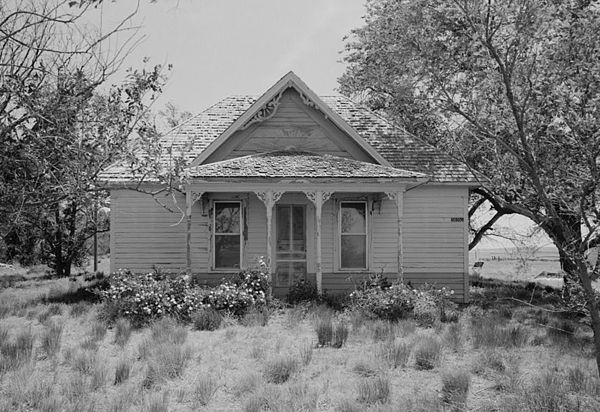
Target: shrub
[
  {"x": 122, "y": 331},
  {"x": 302, "y": 291},
  {"x": 142, "y": 298},
  {"x": 51, "y": 339},
  {"x": 227, "y": 297},
  {"x": 206, "y": 319},
  {"x": 374, "y": 390},
  {"x": 280, "y": 368},
  {"x": 255, "y": 282},
  {"x": 428, "y": 352},
  {"x": 455, "y": 387},
  {"x": 393, "y": 303}
]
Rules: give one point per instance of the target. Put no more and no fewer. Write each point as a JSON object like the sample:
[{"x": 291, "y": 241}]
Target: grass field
[{"x": 62, "y": 357}]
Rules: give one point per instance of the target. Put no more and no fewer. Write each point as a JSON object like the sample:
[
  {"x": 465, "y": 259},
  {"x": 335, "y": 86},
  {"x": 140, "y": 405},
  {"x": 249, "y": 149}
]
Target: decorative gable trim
[{"x": 266, "y": 107}]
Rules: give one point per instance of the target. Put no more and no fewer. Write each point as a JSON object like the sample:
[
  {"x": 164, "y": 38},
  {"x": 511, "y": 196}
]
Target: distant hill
[{"x": 545, "y": 253}]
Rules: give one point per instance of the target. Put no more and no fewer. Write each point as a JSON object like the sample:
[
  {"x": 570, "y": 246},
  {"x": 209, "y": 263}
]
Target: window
[
  {"x": 353, "y": 235},
  {"x": 227, "y": 237}
]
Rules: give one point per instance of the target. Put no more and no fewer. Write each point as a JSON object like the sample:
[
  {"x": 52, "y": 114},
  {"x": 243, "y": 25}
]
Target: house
[{"x": 320, "y": 187}]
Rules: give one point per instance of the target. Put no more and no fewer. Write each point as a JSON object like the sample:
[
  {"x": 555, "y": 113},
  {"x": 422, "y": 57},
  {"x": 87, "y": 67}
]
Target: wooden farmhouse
[{"x": 320, "y": 187}]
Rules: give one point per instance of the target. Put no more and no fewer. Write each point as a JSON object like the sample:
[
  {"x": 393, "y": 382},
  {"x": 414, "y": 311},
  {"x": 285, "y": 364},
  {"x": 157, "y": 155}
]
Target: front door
[{"x": 291, "y": 245}]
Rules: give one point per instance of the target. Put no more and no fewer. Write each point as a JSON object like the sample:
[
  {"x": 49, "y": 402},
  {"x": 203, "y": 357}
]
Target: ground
[{"x": 512, "y": 357}]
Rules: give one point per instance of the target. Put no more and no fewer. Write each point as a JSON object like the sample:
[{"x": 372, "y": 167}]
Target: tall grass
[
  {"x": 51, "y": 338},
  {"x": 395, "y": 353},
  {"x": 166, "y": 361},
  {"x": 330, "y": 333},
  {"x": 14, "y": 354},
  {"x": 428, "y": 352},
  {"x": 122, "y": 331},
  {"x": 280, "y": 368},
  {"x": 455, "y": 388},
  {"x": 204, "y": 389},
  {"x": 122, "y": 371},
  {"x": 373, "y": 390}
]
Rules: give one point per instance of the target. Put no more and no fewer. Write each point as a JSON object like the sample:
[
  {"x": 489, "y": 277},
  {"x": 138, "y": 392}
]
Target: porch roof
[{"x": 298, "y": 164}]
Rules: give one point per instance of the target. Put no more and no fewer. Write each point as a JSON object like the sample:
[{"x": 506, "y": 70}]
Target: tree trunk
[{"x": 592, "y": 304}]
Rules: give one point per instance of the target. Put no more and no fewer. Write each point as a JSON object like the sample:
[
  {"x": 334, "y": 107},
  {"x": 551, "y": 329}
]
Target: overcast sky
[{"x": 224, "y": 47}]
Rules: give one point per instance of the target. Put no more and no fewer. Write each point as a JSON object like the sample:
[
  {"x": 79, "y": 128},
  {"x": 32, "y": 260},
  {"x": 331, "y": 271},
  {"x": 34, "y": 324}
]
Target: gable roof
[
  {"x": 190, "y": 140},
  {"x": 299, "y": 164},
  {"x": 261, "y": 110}
]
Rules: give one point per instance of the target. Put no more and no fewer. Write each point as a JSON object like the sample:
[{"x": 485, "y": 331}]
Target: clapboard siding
[
  {"x": 145, "y": 234},
  {"x": 434, "y": 246},
  {"x": 384, "y": 233}
]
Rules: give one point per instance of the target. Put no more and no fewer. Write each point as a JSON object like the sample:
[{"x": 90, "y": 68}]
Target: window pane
[
  {"x": 227, "y": 218},
  {"x": 298, "y": 226},
  {"x": 227, "y": 251},
  {"x": 353, "y": 218},
  {"x": 354, "y": 251},
  {"x": 283, "y": 228}
]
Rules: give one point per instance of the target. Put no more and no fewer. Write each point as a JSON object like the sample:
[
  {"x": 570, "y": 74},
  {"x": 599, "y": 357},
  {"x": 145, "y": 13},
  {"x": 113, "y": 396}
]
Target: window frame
[
  {"x": 215, "y": 234},
  {"x": 365, "y": 234}
]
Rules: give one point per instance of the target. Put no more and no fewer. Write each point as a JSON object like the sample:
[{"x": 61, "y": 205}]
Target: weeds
[
  {"x": 167, "y": 361},
  {"x": 166, "y": 330},
  {"x": 122, "y": 371},
  {"x": 204, "y": 389},
  {"x": 306, "y": 352},
  {"x": 330, "y": 333},
  {"x": 122, "y": 331},
  {"x": 157, "y": 402},
  {"x": 455, "y": 388},
  {"x": 15, "y": 354},
  {"x": 395, "y": 354},
  {"x": 246, "y": 384},
  {"x": 453, "y": 337},
  {"x": 373, "y": 390},
  {"x": 52, "y": 310},
  {"x": 206, "y": 319},
  {"x": 382, "y": 330},
  {"x": 83, "y": 361},
  {"x": 256, "y": 317},
  {"x": 51, "y": 339},
  {"x": 280, "y": 368},
  {"x": 428, "y": 352},
  {"x": 79, "y": 309},
  {"x": 98, "y": 330}
]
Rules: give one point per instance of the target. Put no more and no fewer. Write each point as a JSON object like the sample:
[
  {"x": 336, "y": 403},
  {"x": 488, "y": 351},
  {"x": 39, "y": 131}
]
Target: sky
[{"x": 225, "y": 47}]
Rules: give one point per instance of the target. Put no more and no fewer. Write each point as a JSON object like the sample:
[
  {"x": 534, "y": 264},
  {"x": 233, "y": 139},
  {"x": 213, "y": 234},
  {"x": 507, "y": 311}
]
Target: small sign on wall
[{"x": 457, "y": 219}]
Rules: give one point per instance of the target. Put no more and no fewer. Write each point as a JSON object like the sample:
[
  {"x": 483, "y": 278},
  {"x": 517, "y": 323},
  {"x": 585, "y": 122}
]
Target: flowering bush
[
  {"x": 255, "y": 282},
  {"x": 395, "y": 302},
  {"x": 142, "y": 298},
  {"x": 377, "y": 300}
]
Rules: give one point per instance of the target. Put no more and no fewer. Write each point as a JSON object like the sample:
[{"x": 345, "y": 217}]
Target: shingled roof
[
  {"x": 402, "y": 150},
  {"x": 297, "y": 164}
]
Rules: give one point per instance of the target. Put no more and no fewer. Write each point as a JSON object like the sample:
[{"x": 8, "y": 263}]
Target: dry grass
[{"x": 279, "y": 366}]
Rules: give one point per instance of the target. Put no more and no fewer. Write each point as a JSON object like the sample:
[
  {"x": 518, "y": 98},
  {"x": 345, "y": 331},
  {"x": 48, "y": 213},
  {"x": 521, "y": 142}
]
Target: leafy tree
[
  {"x": 516, "y": 86},
  {"x": 57, "y": 131}
]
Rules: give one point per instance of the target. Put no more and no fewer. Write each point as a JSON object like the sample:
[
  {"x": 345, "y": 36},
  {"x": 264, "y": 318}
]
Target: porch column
[
  {"x": 318, "y": 198},
  {"x": 399, "y": 198},
  {"x": 190, "y": 198},
  {"x": 269, "y": 198}
]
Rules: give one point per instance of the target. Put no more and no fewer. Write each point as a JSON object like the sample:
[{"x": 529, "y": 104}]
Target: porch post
[
  {"x": 399, "y": 198},
  {"x": 269, "y": 198},
  {"x": 190, "y": 199},
  {"x": 318, "y": 198}
]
